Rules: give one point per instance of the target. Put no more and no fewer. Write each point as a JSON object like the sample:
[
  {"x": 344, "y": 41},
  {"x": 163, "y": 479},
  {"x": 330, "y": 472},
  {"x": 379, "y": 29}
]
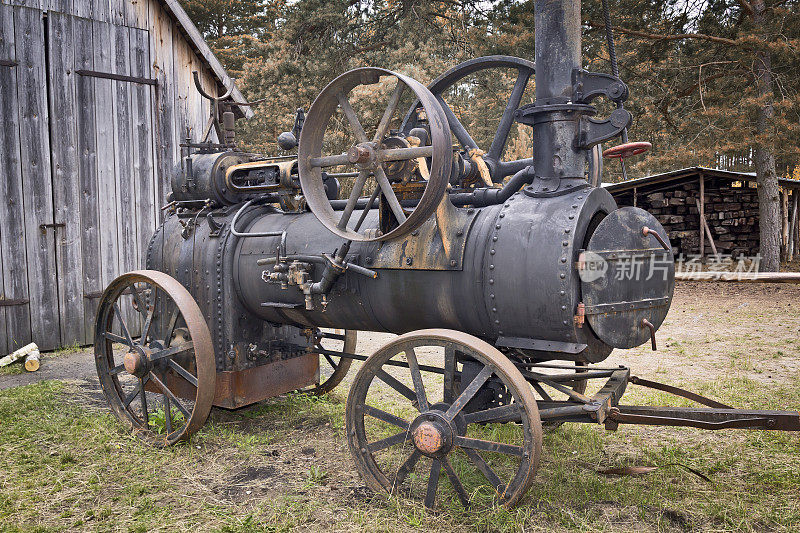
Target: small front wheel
[{"x": 154, "y": 357}]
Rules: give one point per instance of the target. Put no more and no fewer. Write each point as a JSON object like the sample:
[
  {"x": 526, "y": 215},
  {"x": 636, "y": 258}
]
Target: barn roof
[
  {"x": 198, "y": 43},
  {"x": 691, "y": 173}
]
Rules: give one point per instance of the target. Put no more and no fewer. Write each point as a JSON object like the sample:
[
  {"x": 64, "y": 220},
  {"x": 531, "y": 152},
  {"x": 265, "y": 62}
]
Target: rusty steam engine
[{"x": 496, "y": 273}]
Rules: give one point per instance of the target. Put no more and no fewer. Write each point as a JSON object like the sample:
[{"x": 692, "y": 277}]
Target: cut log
[
  {"x": 19, "y": 354},
  {"x": 32, "y": 361},
  {"x": 742, "y": 277}
]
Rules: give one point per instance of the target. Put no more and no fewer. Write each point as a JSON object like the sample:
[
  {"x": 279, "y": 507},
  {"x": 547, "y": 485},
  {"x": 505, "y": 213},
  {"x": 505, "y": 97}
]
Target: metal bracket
[
  {"x": 214, "y": 227},
  {"x": 8, "y": 63},
  {"x": 594, "y": 131},
  {"x": 116, "y": 77},
  {"x": 11, "y": 302},
  {"x": 43, "y": 227},
  {"x": 589, "y": 85},
  {"x": 541, "y": 345},
  {"x": 618, "y": 307}
]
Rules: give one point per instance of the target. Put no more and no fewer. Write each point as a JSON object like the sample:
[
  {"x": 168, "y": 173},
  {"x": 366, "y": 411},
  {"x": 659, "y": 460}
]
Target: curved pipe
[{"x": 239, "y": 234}]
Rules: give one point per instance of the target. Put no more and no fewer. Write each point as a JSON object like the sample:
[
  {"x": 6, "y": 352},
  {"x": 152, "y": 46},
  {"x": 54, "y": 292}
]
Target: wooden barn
[
  {"x": 95, "y": 98},
  {"x": 708, "y": 211}
]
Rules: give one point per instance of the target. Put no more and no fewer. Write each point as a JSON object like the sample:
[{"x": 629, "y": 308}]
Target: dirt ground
[{"x": 284, "y": 464}]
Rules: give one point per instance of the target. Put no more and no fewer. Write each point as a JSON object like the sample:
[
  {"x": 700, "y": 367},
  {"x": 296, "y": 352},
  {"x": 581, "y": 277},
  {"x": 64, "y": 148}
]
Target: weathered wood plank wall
[
  {"x": 93, "y": 154},
  {"x": 66, "y": 185},
  {"x": 15, "y": 321},
  {"x": 37, "y": 191}
]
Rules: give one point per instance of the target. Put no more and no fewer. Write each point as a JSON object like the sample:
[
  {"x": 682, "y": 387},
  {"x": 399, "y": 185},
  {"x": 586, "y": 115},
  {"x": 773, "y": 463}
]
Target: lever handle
[
  {"x": 649, "y": 325},
  {"x": 647, "y": 231}
]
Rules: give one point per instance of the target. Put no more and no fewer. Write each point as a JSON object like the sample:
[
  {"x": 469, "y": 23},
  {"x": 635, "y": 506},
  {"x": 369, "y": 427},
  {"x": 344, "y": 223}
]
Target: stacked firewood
[{"x": 730, "y": 212}]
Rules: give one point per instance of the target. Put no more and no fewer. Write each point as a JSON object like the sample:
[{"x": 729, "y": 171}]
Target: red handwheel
[{"x": 627, "y": 150}]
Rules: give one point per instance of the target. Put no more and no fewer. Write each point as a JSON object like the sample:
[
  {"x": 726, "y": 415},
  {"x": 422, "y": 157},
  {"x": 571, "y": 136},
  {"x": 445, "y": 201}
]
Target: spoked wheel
[
  {"x": 374, "y": 157},
  {"x": 411, "y": 413},
  {"x": 154, "y": 357},
  {"x": 459, "y": 80},
  {"x": 333, "y": 369}
]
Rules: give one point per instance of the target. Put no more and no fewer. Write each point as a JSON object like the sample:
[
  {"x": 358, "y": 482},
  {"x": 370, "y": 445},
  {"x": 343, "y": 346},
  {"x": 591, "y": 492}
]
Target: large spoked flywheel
[
  {"x": 417, "y": 408},
  {"x": 154, "y": 357},
  {"x": 464, "y": 79},
  {"x": 370, "y": 153}
]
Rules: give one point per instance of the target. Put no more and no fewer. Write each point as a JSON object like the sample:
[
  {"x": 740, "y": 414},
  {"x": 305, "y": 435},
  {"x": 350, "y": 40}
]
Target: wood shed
[
  {"x": 95, "y": 98},
  {"x": 708, "y": 211}
]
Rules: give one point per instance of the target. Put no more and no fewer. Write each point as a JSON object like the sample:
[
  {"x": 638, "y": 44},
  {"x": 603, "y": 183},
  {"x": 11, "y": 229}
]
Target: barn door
[
  {"x": 115, "y": 189},
  {"x": 77, "y": 201},
  {"x": 108, "y": 202},
  {"x": 29, "y": 309}
]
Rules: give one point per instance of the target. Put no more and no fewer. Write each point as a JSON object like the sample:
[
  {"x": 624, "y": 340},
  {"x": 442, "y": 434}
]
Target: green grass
[{"x": 69, "y": 466}]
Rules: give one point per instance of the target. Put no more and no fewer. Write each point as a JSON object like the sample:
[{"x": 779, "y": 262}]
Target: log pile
[{"x": 731, "y": 214}]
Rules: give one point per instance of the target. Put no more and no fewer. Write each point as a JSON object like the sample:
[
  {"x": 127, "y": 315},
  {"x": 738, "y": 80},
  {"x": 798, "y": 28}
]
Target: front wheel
[
  {"x": 414, "y": 410},
  {"x": 154, "y": 357}
]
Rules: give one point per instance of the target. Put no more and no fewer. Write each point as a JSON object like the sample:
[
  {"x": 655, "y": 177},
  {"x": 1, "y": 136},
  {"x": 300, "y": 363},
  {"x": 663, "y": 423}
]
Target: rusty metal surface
[
  {"x": 244, "y": 387},
  {"x": 437, "y": 244}
]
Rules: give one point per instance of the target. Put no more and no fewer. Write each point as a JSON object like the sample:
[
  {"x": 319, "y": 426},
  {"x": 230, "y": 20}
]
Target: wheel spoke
[
  {"x": 386, "y": 417},
  {"x": 172, "y": 351},
  {"x": 396, "y": 385},
  {"x": 416, "y": 377},
  {"x": 172, "y": 397},
  {"x": 182, "y": 372},
  {"x": 397, "y": 438},
  {"x": 355, "y": 194},
  {"x": 173, "y": 320},
  {"x": 365, "y": 212},
  {"x": 113, "y": 337},
  {"x": 116, "y": 370},
  {"x": 487, "y": 446},
  {"x": 389, "y": 112},
  {"x": 329, "y": 161},
  {"x": 505, "y": 413},
  {"x": 469, "y": 392},
  {"x": 123, "y": 325},
  {"x": 330, "y": 362},
  {"x": 501, "y": 135},
  {"x": 129, "y": 398},
  {"x": 449, "y": 393},
  {"x": 137, "y": 297},
  {"x": 388, "y": 193},
  {"x": 456, "y": 483},
  {"x": 476, "y": 459},
  {"x": 167, "y": 415},
  {"x": 144, "y": 404},
  {"x": 456, "y": 127},
  {"x": 350, "y": 114},
  {"x": 433, "y": 484},
  {"x": 406, "y": 468},
  {"x": 148, "y": 321}
]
